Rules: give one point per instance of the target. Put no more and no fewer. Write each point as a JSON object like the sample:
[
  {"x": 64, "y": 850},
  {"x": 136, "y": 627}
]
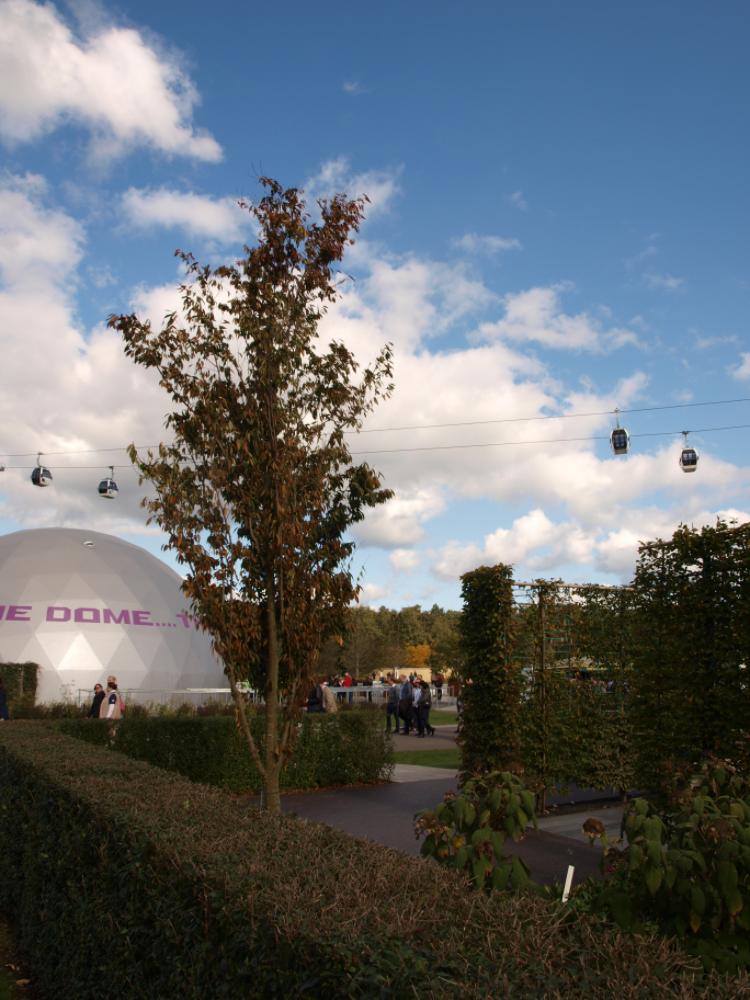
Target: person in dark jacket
[
  {"x": 3, "y": 703},
  {"x": 423, "y": 711},
  {"x": 96, "y": 704}
]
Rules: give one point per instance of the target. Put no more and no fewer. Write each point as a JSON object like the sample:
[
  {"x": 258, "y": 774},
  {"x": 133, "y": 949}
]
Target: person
[
  {"x": 315, "y": 699},
  {"x": 406, "y": 699},
  {"x": 347, "y": 682},
  {"x": 423, "y": 711},
  {"x": 439, "y": 681},
  {"x": 3, "y": 703},
  {"x": 329, "y": 699},
  {"x": 391, "y": 705},
  {"x": 97, "y": 702},
  {"x": 111, "y": 706}
]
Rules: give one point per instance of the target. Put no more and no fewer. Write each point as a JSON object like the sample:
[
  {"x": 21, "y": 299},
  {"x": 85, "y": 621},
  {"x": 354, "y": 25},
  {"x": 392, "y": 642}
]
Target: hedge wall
[
  {"x": 20, "y": 680},
  {"x": 129, "y": 883},
  {"x": 342, "y": 749}
]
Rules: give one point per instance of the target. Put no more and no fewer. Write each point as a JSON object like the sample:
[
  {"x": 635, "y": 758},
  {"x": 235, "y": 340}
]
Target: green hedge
[
  {"x": 20, "y": 680},
  {"x": 129, "y": 883},
  {"x": 342, "y": 749}
]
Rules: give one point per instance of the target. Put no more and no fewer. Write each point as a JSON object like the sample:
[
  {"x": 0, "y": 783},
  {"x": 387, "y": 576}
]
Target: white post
[{"x": 568, "y": 883}]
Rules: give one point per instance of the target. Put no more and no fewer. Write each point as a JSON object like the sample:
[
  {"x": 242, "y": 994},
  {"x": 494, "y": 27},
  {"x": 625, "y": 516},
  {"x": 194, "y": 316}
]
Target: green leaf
[
  {"x": 653, "y": 880},
  {"x": 500, "y": 876}
]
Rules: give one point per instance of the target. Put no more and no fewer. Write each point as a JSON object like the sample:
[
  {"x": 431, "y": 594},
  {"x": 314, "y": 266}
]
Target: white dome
[{"x": 84, "y": 605}]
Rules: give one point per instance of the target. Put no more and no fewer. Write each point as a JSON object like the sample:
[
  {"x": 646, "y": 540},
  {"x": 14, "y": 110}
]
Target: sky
[{"x": 558, "y": 228}]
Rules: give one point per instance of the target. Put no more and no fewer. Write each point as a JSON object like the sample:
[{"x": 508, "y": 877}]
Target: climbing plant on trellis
[{"x": 615, "y": 683}]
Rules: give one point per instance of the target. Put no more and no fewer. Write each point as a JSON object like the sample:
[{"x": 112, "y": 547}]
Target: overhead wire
[
  {"x": 447, "y": 424},
  {"x": 446, "y": 447}
]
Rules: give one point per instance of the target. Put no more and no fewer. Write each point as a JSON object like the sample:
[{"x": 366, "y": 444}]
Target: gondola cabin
[
  {"x": 41, "y": 476},
  {"x": 108, "y": 489},
  {"x": 688, "y": 459},
  {"x": 620, "y": 441}
]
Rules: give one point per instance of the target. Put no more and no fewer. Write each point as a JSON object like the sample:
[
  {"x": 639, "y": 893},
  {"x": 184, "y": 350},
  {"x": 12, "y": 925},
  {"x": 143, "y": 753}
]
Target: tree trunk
[{"x": 271, "y": 789}]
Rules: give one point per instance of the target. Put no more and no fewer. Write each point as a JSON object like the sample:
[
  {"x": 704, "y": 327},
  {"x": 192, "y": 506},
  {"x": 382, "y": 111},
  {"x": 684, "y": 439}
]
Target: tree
[{"x": 257, "y": 489}]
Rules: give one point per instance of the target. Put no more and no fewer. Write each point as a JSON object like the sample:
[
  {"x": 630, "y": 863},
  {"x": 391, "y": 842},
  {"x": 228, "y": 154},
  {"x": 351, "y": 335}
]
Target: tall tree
[{"x": 257, "y": 488}]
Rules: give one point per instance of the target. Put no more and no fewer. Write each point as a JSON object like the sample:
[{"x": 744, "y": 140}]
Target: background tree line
[{"x": 385, "y": 640}]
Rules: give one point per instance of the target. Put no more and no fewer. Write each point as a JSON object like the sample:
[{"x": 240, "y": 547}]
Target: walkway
[{"x": 385, "y": 814}]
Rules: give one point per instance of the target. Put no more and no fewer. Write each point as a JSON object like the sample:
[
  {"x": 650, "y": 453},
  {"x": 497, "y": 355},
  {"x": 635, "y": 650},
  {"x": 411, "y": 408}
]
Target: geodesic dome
[{"x": 83, "y": 605}]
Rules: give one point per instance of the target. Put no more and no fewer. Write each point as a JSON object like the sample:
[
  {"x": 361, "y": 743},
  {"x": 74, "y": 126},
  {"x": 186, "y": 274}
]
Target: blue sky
[{"x": 559, "y": 226}]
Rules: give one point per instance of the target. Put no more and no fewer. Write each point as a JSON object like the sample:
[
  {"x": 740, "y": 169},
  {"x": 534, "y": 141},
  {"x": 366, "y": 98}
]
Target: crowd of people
[{"x": 408, "y": 701}]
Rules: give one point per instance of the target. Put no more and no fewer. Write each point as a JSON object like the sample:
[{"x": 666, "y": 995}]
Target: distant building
[{"x": 83, "y": 605}]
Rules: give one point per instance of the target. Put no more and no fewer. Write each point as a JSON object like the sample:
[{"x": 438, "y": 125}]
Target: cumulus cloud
[
  {"x": 65, "y": 389},
  {"x": 404, "y": 560},
  {"x": 112, "y": 82},
  {"x": 742, "y": 370},
  {"x": 517, "y": 199},
  {"x": 474, "y": 243},
  {"x": 199, "y": 215},
  {"x": 400, "y": 522},
  {"x": 336, "y": 177},
  {"x": 536, "y": 315}
]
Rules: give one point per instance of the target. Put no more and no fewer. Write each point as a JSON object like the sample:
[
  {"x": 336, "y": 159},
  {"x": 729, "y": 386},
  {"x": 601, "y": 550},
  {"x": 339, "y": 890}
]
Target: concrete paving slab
[{"x": 416, "y": 772}]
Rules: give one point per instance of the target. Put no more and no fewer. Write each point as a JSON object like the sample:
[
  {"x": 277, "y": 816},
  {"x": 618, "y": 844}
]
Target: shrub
[
  {"x": 687, "y": 869},
  {"x": 467, "y": 831},
  {"x": 129, "y": 883},
  {"x": 340, "y": 749}
]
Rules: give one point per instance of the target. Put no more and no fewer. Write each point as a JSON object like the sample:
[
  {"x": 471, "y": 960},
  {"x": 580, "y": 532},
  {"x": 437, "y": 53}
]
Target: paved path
[{"x": 385, "y": 814}]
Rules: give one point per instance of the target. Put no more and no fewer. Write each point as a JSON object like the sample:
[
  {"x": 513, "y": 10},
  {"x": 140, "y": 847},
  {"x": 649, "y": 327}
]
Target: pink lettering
[
  {"x": 185, "y": 619},
  {"x": 18, "y": 613},
  {"x": 2, "y": 611},
  {"x": 140, "y": 618},
  {"x": 110, "y": 618},
  {"x": 58, "y": 614},
  {"x": 87, "y": 616}
]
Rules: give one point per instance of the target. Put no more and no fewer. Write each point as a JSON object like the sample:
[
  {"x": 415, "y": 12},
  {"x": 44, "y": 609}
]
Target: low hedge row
[
  {"x": 342, "y": 749},
  {"x": 127, "y": 882}
]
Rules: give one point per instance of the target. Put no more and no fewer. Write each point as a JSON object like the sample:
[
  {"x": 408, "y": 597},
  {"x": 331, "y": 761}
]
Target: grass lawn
[
  {"x": 450, "y": 758},
  {"x": 440, "y": 717}
]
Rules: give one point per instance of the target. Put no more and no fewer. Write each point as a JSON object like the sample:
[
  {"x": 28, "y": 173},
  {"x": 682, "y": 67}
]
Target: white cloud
[
  {"x": 404, "y": 560},
  {"x": 336, "y": 177},
  {"x": 399, "y": 522},
  {"x": 372, "y": 594},
  {"x": 742, "y": 370},
  {"x": 669, "y": 282},
  {"x": 112, "y": 82},
  {"x": 199, "y": 215},
  {"x": 536, "y": 315},
  {"x": 63, "y": 390},
  {"x": 474, "y": 243},
  {"x": 353, "y": 87},
  {"x": 518, "y": 200}
]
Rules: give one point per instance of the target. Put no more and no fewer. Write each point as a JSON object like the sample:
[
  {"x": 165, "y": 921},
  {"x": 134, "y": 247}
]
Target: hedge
[
  {"x": 127, "y": 882},
  {"x": 342, "y": 749}
]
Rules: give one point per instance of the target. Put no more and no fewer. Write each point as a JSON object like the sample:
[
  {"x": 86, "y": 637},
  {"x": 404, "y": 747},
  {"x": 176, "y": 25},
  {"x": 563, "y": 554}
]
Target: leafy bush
[
  {"x": 687, "y": 870},
  {"x": 340, "y": 749},
  {"x": 129, "y": 883},
  {"x": 467, "y": 831}
]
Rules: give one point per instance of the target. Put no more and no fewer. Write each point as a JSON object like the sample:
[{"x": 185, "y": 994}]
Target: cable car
[
  {"x": 40, "y": 476},
  {"x": 108, "y": 487},
  {"x": 688, "y": 456},
  {"x": 619, "y": 438}
]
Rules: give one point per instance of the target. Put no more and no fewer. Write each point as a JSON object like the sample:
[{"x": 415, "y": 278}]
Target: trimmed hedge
[
  {"x": 129, "y": 883},
  {"x": 346, "y": 748},
  {"x": 20, "y": 680}
]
